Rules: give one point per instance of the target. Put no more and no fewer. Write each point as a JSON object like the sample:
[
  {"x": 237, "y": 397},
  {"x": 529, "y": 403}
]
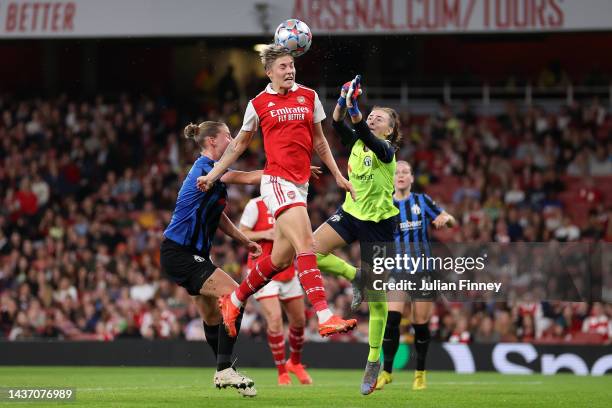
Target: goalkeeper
[{"x": 370, "y": 219}]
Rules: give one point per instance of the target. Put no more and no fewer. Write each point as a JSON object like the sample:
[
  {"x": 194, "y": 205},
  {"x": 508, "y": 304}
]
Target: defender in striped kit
[{"x": 416, "y": 212}]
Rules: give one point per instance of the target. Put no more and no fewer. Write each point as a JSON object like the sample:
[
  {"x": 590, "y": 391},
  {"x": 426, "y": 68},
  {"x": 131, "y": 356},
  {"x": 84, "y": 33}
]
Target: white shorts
[
  {"x": 279, "y": 194},
  {"x": 283, "y": 290}
]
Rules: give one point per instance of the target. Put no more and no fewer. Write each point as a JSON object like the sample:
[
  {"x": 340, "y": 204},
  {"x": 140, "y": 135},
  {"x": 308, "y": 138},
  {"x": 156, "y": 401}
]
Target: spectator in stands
[
  {"x": 485, "y": 332},
  {"x": 227, "y": 88},
  {"x": 600, "y": 162},
  {"x": 80, "y": 219},
  {"x": 598, "y": 323},
  {"x": 567, "y": 231}
]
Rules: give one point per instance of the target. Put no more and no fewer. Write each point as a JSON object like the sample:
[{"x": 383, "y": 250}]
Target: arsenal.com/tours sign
[{"x": 139, "y": 18}]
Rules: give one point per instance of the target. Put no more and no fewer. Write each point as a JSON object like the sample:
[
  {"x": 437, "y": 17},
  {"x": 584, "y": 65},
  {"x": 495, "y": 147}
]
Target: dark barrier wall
[{"x": 511, "y": 358}]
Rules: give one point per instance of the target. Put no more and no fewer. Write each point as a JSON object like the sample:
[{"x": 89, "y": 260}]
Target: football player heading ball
[{"x": 290, "y": 118}]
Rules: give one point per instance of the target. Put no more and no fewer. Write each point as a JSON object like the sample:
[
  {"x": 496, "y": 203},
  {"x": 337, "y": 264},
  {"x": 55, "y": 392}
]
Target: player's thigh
[
  {"x": 271, "y": 310},
  {"x": 218, "y": 284},
  {"x": 327, "y": 240},
  {"x": 295, "y": 225},
  {"x": 191, "y": 270},
  {"x": 208, "y": 309},
  {"x": 421, "y": 311},
  {"x": 396, "y": 307},
  {"x": 382, "y": 231},
  {"x": 397, "y": 300},
  {"x": 282, "y": 251}
]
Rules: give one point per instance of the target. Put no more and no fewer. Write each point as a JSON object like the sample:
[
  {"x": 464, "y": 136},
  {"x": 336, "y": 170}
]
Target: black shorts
[
  {"x": 185, "y": 266},
  {"x": 352, "y": 229},
  {"x": 423, "y": 295}
]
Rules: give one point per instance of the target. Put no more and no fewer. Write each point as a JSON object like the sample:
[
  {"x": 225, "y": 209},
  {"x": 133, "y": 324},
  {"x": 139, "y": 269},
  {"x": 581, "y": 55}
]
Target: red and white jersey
[
  {"x": 257, "y": 217},
  {"x": 528, "y": 309},
  {"x": 287, "y": 124},
  {"x": 463, "y": 337},
  {"x": 598, "y": 325}
]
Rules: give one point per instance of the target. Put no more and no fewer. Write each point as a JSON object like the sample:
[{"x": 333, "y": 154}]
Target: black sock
[
  {"x": 226, "y": 345},
  {"x": 421, "y": 343},
  {"x": 212, "y": 337},
  {"x": 391, "y": 340}
]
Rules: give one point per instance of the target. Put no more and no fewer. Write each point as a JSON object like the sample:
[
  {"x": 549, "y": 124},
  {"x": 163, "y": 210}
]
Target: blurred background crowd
[{"x": 88, "y": 186}]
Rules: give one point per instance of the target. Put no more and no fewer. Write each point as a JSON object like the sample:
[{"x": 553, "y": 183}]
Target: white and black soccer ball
[{"x": 293, "y": 35}]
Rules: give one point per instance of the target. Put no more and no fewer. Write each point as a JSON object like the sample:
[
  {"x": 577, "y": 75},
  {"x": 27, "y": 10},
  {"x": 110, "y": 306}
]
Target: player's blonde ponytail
[{"x": 191, "y": 131}]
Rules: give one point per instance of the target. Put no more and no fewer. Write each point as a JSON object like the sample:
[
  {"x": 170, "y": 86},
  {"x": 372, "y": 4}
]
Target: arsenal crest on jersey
[{"x": 301, "y": 99}]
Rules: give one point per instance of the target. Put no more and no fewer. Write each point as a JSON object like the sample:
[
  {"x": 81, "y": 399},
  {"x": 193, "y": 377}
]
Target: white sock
[
  {"x": 235, "y": 300},
  {"x": 324, "y": 315}
]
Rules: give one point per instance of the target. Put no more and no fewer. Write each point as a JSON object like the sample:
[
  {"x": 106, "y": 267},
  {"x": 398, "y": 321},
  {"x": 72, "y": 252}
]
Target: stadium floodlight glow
[{"x": 259, "y": 47}]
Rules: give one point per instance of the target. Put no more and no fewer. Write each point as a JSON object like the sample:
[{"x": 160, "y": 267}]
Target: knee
[
  {"x": 421, "y": 316},
  {"x": 305, "y": 244},
  {"x": 275, "y": 323},
  {"x": 211, "y": 316},
  {"x": 281, "y": 262},
  {"x": 422, "y": 319},
  {"x": 297, "y": 320},
  {"x": 378, "y": 308}
]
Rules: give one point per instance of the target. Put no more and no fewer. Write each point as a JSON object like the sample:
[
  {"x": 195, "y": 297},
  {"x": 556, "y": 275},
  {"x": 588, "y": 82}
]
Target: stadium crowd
[{"x": 87, "y": 188}]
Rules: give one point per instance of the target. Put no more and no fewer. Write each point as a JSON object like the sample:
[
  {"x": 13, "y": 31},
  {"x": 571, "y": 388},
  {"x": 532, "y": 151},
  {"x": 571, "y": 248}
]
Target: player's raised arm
[
  {"x": 382, "y": 146},
  {"x": 347, "y": 135}
]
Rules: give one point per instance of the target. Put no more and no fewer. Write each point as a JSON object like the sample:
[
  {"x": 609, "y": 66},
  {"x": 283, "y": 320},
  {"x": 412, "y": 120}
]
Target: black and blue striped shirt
[
  {"x": 196, "y": 216},
  {"x": 416, "y": 213}
]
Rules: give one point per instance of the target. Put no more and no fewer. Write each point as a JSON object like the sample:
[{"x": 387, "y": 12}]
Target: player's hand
[
  {"x": 254, "y": 248},
  {"x": 442, "y": 220},
  {"x": 268, "y": 234},
  {"x": 204, "y": 183},
  {"x": 315, "y": 172},
  {"x": 344, "y": 90},
  {"x": 347, "y": 186},
  {"x": 353, "y": 92}
]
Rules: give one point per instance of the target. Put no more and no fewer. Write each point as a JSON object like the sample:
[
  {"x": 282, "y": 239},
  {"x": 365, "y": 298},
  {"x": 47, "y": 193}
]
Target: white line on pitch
[
  {"x": 334, "y": 384},
  {"x": 486, "y": 382}
]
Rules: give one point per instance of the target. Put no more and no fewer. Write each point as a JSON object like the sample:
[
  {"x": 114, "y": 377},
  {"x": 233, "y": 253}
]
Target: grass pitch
[{"x": 192, "y": 387}]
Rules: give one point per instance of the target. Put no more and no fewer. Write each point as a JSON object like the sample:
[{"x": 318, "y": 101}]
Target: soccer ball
[{"x": 293, "y": 35}]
